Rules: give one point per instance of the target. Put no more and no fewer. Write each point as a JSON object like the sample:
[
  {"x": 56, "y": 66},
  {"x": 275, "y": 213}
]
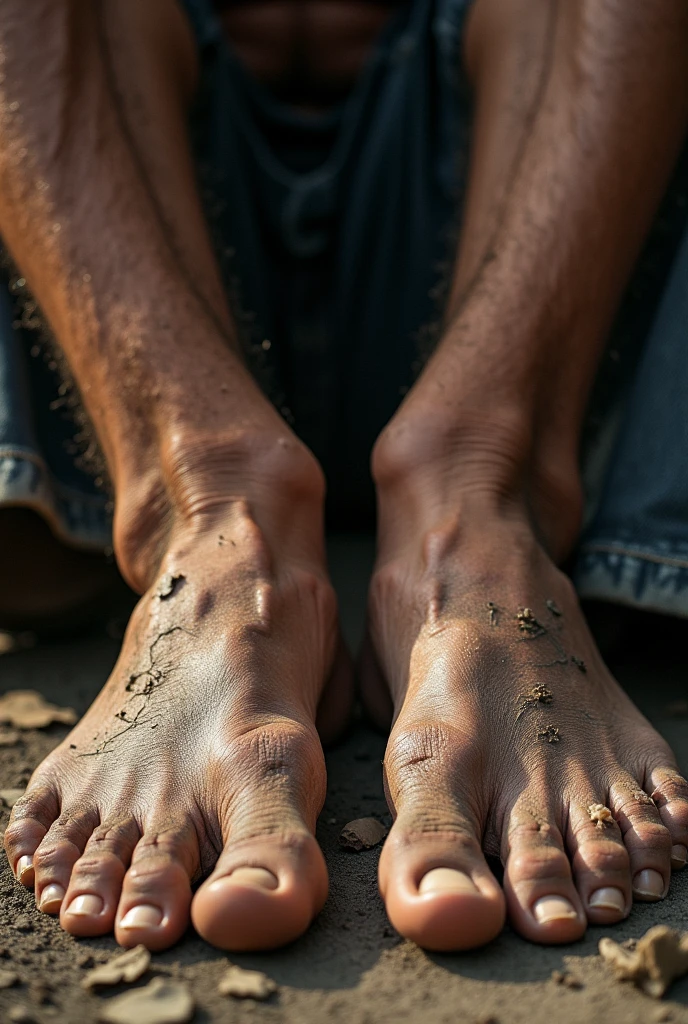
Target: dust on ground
[{"x": 351, "y": 966}]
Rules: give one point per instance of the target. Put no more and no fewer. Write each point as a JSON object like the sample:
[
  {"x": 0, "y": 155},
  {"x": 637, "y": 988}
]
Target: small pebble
[
  {"x": 8, "y": 979},
  {"x": 243, "y": 984},
  {"x": 21, "y": 1015},
  {"x": 23, "y": 923}
]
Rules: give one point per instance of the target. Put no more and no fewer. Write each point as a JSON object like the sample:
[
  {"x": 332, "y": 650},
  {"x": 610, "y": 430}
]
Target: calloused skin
[{"x": 201, "y": 758}]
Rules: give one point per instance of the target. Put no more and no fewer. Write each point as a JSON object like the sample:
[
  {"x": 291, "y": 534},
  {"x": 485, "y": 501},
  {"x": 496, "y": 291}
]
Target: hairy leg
[
  {"x": 509, "y": 734},
  {"x": 201, "y": 756}
]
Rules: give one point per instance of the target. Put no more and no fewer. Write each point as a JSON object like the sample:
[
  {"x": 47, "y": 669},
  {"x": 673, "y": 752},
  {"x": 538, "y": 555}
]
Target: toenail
[
  {"x": 144, "y": 916},
  {"x": 679, "y": 854},
  {"x": 260, "y": 877},
  {"x": 648, "y": 885},
  {"x": 87, "y": 905},
  {"x": 608, "y": 899},
  {"x": 553, "y": 908},
  {"x": 24, "y": 865},
  {"x": 441, "y": 880},
  {"x": 51, "y": 899}
]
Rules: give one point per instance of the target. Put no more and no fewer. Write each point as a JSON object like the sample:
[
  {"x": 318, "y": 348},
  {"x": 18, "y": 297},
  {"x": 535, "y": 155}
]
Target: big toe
[
  {"x": 435, "y": 881},
  {"x": 263, "y": 894},
  {"x": 270, "y": 880}
]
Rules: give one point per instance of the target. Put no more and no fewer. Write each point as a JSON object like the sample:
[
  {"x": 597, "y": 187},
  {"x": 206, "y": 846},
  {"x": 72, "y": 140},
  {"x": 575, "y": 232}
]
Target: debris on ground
[
  {"x": 659, "y": 957},
  {"x": 362, "y": 834},
  {"x": 567, "y": 979},
  {"x": 21, "y": 1015},
  {"x": 9, "y": 797},
  {"x": 600, "y": 814},
  {"x": 243, "y": 984},
  {"x": 27, "y": 709},
  {"x": 160, "y": 1002},
  {"x": 8, "y": 979},
  {"x": 128, "y": 966},
  {"x": 23, "y": 923},
  {"x": 9, "y": 737}
]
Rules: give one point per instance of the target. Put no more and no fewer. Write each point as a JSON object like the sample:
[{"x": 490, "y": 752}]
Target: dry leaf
[
  {"x": 27, "y": 709},
  {"x": 244, "y": 984},
  {"x": 160, "y": 1002},
  {"x": 658, "y": 958},
  {"x": 362, "y": 834},
  {"x": 10, "y": 796},
  {"x": 128, "y": 966}
]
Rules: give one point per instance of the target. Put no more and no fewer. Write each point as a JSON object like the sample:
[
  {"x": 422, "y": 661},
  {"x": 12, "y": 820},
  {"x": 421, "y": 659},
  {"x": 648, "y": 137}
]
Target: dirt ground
[{"x": 351, "y": 966}]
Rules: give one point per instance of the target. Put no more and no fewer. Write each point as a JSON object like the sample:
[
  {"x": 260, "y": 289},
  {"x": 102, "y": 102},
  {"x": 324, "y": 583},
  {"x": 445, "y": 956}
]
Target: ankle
[
  {"x": 198, "y": 482},
  {"x": 491, "y": 473}
]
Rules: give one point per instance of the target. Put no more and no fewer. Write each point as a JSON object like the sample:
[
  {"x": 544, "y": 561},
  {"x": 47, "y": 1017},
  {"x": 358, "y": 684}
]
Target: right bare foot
[{"x": 200, "y": 758}]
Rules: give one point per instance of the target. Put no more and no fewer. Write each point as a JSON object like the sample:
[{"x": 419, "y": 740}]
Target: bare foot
[
  {"x": 200, "y": 759},
  {"x": 510, "y": 738}
]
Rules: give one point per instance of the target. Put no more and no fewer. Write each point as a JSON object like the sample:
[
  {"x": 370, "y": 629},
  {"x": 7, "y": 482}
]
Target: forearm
[
  {"x": 535, "y": 291},
  {"x": 78, "y": 217}
]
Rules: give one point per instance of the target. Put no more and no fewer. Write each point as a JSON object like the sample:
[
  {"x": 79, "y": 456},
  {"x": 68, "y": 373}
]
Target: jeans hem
[{"x": 635, "y": 576}]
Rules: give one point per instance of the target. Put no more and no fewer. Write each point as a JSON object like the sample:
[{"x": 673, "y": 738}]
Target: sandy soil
[{"x": 351, "y": 967}]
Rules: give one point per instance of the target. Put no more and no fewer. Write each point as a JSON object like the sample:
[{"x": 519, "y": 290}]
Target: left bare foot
[{"x": 510, "y": 738}]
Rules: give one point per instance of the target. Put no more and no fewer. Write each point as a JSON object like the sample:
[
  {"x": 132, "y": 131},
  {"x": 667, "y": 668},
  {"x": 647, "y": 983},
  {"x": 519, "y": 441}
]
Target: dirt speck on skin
[
  {"x": 600, "y": 814},
  {"x": 550, "y": 734},
  {"x": 168, "y": 584},
  {"x": 243, "y": 984},
  {"x": 362, "y": 834},
  {"x": 579, "y": 663},
  {"x": 641, "y": 797},
  {"x": 27, "y": 709},
  {"x": 128, "y": 966},
  {"x": 553, "y": 607},
  {"x": 659, "y": 957},
  {"x": 160, "y": 1002},
  {"x": 539, "y": 694}
]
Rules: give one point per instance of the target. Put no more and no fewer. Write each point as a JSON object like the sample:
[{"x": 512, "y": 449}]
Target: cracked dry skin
[{"x": 200, "y": 759}]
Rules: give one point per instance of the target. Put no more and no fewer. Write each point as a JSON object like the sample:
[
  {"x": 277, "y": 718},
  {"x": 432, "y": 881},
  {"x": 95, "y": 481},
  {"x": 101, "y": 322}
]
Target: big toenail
[
  {"x": 51, "y": 899},
  {"x": 446, "y": 880},
  {"x": 648, "y": 885},
  {"x": 608, "y": 899},
  {"x": 260, "y": 877},
  {"x": 144, "y": 916},
  {"x": 87, "y": 905},
  {"x": 553, "y": 908},
  {"x": 24, "y": 866},
  {"x": 679, "y": 854}
]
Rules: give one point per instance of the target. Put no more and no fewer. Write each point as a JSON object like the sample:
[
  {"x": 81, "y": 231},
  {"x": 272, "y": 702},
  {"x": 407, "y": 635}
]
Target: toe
[
  {"x": 270, "y": 880},
  {"x": 600, "y": 859},
  {"x": 156, "y": 893},
  {"x": 669, "y": 790},
  {"x": 95, "y": 885},
  {"x": 543, "y": 903},
  {"x": 647, "y": 840},
  {"x": 31, "y": 818},
  {"x": 57, "y": 853},
  {"x": 434, "y": 879}
]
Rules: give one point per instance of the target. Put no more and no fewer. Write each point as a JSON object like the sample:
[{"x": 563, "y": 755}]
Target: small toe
[
  {"x": 156, "y": 892},
  {"x": 95, "y": 886},
  {"x": 646, "y": 838},
  {"x": 30, "y": 820},
  {"x": 544, "y": 905},
  {"x": 57, "y": 854},
  {"x": 669, "y": 790},
  {"x": 600, "y": 861}
]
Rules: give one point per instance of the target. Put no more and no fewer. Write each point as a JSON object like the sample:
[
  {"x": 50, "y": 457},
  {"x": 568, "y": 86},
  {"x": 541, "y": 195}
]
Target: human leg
[{"x": 201, "y": 753}]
